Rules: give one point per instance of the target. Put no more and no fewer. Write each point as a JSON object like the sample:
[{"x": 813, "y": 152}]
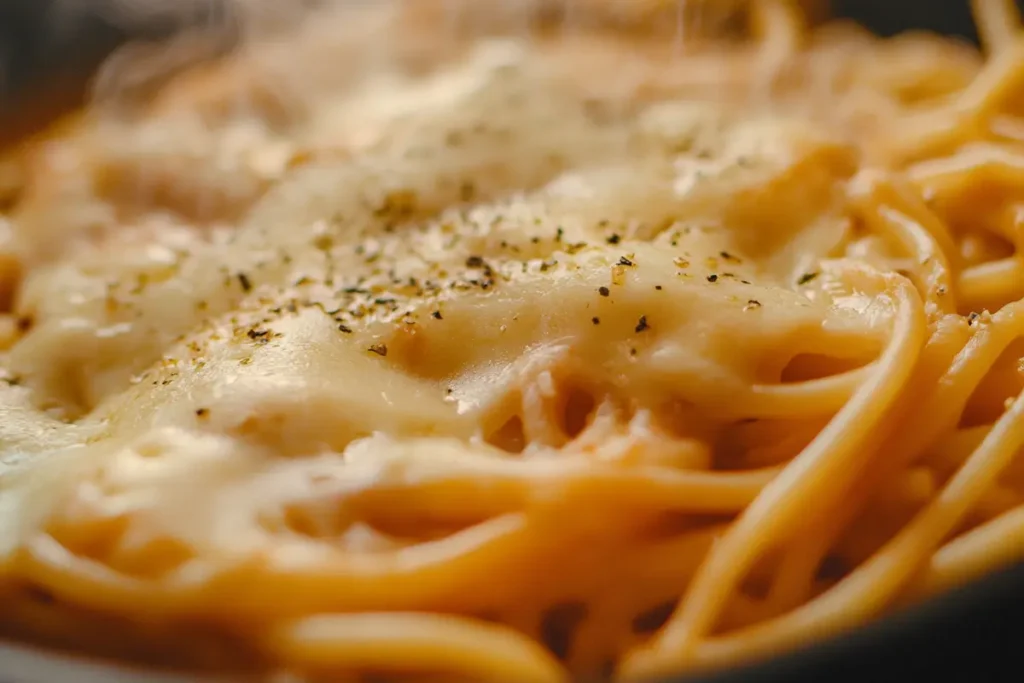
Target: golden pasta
[{"x": 452, "y": 340}]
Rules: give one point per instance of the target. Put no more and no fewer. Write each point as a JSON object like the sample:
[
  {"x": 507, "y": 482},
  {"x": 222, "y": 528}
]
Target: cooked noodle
[{"x": 448, "y": 341}]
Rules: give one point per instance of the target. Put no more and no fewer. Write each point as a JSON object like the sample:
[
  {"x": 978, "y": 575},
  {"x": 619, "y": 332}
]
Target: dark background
[
  {"x": 974, "y": 634},
  {"x": 893, "y": 16}
]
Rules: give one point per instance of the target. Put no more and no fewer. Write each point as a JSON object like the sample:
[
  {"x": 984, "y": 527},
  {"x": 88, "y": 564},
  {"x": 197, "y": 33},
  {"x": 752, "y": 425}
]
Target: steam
[{"x": 171, "y": 35}]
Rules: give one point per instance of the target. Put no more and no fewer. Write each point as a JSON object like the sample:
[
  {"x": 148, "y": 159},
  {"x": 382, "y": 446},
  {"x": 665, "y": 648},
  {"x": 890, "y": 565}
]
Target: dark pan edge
[{"x": 974, "y": 632}]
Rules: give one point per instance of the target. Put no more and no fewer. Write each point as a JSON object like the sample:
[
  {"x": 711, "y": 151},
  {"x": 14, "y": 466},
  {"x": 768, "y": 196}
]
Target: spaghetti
[{"x": 539, "y": 345}]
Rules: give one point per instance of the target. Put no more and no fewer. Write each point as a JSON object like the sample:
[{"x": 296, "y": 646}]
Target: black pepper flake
[
  {"x": 729, "y": 257},
  {"x": 379, "y": 349},
  {"x": 658, "y": 287},
  {"x": 712, "y": 278},
  {"x": 604, "y": 291},
  {"x": 345, "y": 328},
  {"x": 243, "y": 280},
  {"x": 623, "y": 261},
  {"x": 258, "y": 334},
  {"x": 973, "y": 318},
  {"x": 475, "y": 262},
  {"x": 642, "y": 325},
  {"x": 753, "y": 303},
  {"x": 25, "y": 323},
  {"x": 202, "y": 412},
  {"x": 613, "y": 239},
  {"x": 632, "y": 352},
  {"x": 559, "y": 233},
  {"x": 806, "y": 277},
  {"x": 595, "y": 320},
  {"x": 436, "y": 315}
]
